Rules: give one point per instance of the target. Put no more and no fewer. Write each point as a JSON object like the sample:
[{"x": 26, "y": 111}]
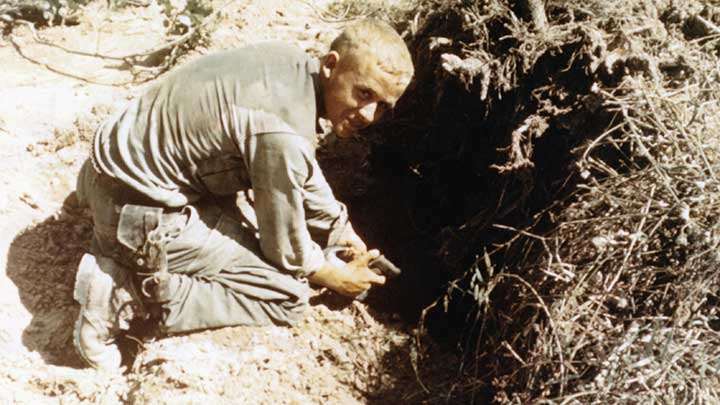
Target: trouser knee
[{"x": 295, "y": 311}]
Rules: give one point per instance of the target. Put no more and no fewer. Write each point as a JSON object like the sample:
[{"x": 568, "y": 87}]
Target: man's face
[{"x": 357, "y": 92}]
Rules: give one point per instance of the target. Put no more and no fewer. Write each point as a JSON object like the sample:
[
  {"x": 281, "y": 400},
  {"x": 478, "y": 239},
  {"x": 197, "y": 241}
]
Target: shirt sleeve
[
  {"x": 281, "y": 165},
  {"x": 327, "y": 218}
]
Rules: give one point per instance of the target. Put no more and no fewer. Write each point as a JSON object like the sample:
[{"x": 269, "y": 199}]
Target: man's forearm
[
  {"x": 327, "y": 218},
  {"x": 278, "y": 171}
]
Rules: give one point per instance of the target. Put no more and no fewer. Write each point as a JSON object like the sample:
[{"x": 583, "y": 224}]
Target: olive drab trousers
[{"x": 218, "y": 276}]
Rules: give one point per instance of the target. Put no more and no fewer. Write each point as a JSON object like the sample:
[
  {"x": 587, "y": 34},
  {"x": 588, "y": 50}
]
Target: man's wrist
[
  {"x": 324, "y": 276},
  {"x": 350, "y": 238}
]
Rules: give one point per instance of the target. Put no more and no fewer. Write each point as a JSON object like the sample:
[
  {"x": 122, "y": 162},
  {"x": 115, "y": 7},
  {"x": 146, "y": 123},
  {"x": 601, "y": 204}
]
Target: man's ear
[{"x": 329, "y": 62}]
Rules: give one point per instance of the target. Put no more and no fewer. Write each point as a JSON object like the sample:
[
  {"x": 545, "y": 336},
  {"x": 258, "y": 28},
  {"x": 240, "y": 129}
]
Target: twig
[
  {"x": 599, "y": 138},
  {"x": 512, "y": 351},
  {"x": 633, "y": 241},
  {"x": 568, "y": 399},
  {"x": 49, "y": 67},
  {"x": 130, "y": 59},
  {"x": 45, "y": 42},
  {"x": 520, "y": 232},
  {"x": 550, "y": 320},
  {"x": 709, "y": 26},
  {"x": 645, "y": 153},
  {"x": 519, "y": 156}
]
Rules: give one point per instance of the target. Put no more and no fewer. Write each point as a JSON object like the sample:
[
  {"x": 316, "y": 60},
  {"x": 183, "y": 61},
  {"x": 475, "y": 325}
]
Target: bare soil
[{"x": 51, "y": 102}]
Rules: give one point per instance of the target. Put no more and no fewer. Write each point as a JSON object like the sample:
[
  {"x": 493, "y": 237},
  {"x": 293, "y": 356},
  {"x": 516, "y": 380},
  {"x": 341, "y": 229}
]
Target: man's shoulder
[
  {"x": 255, "y": 57},
  {"x": 274, "y": 77},
  {"x": 269, "y": 51},
  {"x": 279, "y": 48}
]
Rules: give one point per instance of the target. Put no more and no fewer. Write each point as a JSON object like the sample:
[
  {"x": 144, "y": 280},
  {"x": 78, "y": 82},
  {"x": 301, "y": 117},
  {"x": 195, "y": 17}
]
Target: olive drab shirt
[{"x": 225, "y": 123}]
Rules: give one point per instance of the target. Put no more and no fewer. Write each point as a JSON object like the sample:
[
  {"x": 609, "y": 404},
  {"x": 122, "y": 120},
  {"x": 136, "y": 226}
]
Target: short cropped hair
[{"x": 380, "y": 39}]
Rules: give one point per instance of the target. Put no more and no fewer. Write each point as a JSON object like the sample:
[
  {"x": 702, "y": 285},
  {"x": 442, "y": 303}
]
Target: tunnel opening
[{"x": 470, "y": 145}]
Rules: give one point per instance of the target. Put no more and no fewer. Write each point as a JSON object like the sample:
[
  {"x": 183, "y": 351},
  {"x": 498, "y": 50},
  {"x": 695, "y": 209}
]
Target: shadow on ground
[
  {"x": 380, "y": 361},
  {"x": 42, "y": 262}
]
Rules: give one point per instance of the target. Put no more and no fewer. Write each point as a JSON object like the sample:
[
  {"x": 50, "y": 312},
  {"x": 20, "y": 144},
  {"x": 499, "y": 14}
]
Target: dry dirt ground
[{"x": 51, "y": 102}]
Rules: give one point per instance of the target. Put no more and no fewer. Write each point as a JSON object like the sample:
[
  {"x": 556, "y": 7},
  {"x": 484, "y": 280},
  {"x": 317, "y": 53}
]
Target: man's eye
[{"x": 365, "y": 94}]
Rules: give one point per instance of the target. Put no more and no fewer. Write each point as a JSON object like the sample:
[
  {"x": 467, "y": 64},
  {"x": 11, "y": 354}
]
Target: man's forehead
[
  {"x": 374, "y": 74},
  {"x": 389, "y": 86}
]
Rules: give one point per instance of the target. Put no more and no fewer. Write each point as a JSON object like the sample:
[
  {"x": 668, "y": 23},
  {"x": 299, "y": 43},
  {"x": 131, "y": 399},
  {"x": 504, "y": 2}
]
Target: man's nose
[{"x": 367, "y": 113}]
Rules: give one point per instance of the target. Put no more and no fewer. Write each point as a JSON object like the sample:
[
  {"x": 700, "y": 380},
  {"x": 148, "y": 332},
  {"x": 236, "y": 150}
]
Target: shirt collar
[{"x": 314, "y": 67}]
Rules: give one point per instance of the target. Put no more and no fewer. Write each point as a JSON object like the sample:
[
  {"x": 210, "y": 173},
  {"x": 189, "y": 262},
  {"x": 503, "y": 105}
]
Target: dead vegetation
[{"x": 565, "y": 171}]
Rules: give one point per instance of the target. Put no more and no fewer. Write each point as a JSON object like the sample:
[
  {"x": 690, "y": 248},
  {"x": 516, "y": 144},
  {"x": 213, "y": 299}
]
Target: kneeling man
[{"x": 209, "y": 206}]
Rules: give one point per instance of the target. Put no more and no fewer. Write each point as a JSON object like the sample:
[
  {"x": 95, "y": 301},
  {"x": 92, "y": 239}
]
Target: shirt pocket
[{"x": 224, "y": 175}]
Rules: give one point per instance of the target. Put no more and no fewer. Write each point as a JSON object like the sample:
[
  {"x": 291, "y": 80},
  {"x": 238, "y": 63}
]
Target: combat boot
[{"x": 104, "y": 290}]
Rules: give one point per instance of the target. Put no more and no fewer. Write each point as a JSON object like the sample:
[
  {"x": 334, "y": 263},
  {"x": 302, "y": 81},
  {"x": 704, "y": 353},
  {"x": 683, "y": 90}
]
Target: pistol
[{"x": 384, "y": 267}]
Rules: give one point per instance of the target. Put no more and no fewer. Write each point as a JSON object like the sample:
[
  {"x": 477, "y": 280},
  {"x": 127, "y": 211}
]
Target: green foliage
[
  {"x": 184, "y": 15},
  {"x": 62, "y": 8},
  {"x": 43, "y": 12}
]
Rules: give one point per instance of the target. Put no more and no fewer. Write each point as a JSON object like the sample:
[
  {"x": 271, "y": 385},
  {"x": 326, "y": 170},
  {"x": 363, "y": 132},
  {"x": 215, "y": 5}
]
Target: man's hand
[{"x": 350, "y": 280}]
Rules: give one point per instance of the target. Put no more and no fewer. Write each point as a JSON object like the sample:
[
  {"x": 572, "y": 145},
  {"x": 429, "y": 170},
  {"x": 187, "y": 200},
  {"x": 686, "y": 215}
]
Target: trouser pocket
[{"x": 145, "y": 232}]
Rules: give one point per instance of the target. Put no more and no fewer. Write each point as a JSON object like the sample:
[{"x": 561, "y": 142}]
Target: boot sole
[{"x": 80, "y": 294}]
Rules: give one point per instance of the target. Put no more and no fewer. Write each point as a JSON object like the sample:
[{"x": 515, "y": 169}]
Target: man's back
[{"x": 187, "y": 134}]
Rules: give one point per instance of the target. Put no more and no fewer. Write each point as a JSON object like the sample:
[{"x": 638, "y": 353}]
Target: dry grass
[
  {"x": 608, "y": 292},
  {"x": 629, "y": 272}
]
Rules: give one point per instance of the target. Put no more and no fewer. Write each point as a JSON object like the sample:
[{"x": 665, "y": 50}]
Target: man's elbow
[{"x": 299, "y": 264}]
